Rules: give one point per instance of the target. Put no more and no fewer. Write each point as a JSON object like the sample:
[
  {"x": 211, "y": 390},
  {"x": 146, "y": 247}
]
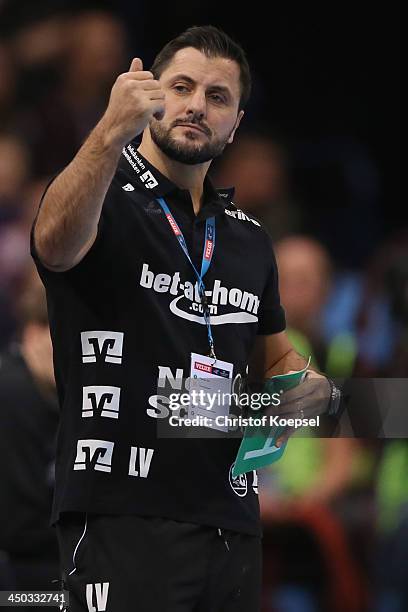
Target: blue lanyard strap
[{"x": 208, "y": 251}]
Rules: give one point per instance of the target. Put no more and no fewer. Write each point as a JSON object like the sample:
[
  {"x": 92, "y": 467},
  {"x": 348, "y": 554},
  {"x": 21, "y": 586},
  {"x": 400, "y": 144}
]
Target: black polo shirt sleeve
[{"x": 271, "y": 318}]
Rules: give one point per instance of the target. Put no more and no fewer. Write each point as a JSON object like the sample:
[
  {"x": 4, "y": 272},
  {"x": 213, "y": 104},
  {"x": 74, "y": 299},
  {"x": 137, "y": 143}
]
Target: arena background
[{"x": 312, "y": 161}]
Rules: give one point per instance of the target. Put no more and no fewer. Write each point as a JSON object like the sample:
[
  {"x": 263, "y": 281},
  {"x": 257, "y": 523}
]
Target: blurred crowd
[{"x": 335, "y": 511}]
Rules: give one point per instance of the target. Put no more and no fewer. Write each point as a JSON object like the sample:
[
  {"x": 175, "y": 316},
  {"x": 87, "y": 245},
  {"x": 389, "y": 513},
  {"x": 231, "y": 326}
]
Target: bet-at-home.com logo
[{"x": 187, "y": 304}]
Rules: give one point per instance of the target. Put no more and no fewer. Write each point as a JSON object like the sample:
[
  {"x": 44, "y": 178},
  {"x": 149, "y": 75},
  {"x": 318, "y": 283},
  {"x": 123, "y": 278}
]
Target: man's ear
[{"x": 238, "y": 121}]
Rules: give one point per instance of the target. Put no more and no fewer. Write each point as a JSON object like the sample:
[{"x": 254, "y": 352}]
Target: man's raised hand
[{"x": 135, "y": 98}]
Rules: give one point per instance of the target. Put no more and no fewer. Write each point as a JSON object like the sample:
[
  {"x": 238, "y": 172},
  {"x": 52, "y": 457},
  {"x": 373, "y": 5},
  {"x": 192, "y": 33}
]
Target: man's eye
[
  {"x": 181, "y": 88},
  {"x": 217, "y": 98}
]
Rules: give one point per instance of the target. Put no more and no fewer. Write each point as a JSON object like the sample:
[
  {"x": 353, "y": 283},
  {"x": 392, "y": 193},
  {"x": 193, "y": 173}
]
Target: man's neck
[{"x": 189, "y": 177}]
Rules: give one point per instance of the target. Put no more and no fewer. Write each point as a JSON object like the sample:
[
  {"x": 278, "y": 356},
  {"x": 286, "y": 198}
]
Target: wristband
[{"x": 333, "y": 408}]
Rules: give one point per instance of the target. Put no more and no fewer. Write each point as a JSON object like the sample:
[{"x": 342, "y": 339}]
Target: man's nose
[{"x": 197, "y": 104}]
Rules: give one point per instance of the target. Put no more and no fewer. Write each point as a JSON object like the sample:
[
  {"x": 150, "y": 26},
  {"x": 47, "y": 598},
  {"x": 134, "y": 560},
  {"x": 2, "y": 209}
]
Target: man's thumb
[{"x": 136, "y": 65}]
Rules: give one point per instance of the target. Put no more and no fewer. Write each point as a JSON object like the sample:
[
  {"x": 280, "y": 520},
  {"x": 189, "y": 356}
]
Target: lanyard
[{"x": 208, "y": 251}]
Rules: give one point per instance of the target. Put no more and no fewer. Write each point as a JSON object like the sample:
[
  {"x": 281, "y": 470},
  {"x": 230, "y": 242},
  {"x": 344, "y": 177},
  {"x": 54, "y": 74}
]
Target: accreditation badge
[{"x": 210, "y": 390}]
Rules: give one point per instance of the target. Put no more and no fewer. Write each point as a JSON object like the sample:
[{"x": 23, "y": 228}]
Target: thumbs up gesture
[{"x": 135, "y": 98}]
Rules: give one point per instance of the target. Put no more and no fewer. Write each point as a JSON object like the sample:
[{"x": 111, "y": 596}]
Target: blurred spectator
[
  {"x": 38, "y": 48},
  {"x": 337, "y": 182},
  {"x": 391, "y": 562},
  {"x": 15, "y": 16},
  {"x": 257, "y": 166},
  {"x": 29, "y": 417},
  {"x": 14, "y": 238},
  {"x": 384, "y": 352},
  {"x": 383, "y": 315},
  {"x": 305, "y": 282},
  {"x": 309, "y": 562},
  {"x": 315, "y": 499},
  {"x": 95, "y": 53},
  {"x": 14, "y": 176},
  {"x": 8, "y": 86},
  {"x": 39, "y": 43}
]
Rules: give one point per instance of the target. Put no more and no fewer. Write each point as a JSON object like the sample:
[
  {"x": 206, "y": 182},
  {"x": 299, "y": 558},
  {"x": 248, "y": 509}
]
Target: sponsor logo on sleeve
[
  {"x": 102, "y": 345},
  {"x": 101, "y": 400},
  {"x": 96, "y": 454}
]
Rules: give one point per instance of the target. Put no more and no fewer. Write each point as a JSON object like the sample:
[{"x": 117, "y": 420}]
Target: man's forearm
[{"x": 67, "y": 222}]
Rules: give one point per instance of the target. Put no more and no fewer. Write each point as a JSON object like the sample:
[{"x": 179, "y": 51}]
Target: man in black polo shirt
[{"x": 152, "y": 276}]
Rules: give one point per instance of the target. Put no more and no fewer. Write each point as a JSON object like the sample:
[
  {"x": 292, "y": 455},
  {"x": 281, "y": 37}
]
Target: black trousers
[{"x": 117, "y": 563}]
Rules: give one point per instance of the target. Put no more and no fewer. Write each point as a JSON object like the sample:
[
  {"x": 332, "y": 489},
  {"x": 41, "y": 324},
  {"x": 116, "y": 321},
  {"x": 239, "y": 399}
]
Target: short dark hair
[{"x": 213, "y": 42}]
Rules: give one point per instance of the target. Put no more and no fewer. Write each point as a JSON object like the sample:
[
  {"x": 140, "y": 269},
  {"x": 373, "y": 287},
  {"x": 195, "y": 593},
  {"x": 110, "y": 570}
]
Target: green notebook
[{"x": 257, "y": 447}]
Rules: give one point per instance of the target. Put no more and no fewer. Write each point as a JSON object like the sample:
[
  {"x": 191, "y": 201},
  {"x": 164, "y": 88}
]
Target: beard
[{"x": 191, "y": 152}]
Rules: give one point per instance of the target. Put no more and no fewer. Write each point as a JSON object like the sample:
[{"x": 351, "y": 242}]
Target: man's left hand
[{"x": 305, "y": 401}]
